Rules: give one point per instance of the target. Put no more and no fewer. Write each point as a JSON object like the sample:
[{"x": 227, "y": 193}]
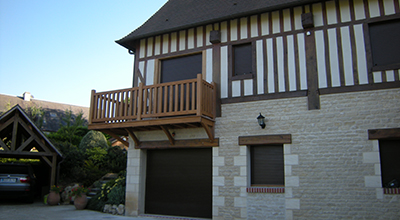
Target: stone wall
[{"x": 332, "y": 170}]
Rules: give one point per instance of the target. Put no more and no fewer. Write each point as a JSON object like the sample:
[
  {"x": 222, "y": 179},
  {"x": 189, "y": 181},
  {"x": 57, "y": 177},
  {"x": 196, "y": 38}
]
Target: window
[
  {"x": 181, "y": 68},
  {"x": 390, "y": 164},
  {"x": 242, "y": 59},
  {"x": 385, "y": 45},
  {"x": 267, "y": 166}
]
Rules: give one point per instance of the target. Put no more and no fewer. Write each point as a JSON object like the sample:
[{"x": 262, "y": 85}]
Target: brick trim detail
[
  {"x": 265, "y": 190},
  {"x": 391, "y": 190}
]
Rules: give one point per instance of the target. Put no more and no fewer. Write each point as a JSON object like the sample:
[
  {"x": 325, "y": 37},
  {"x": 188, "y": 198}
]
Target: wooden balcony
[{"x": 166, "y": 106}]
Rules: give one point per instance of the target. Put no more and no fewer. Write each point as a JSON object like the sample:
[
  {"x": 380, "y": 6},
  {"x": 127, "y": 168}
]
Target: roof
[
  {"x": 180, "y": 14},
  {"x": 18, "y": 114},
  {"x": 53, "y": 112}
]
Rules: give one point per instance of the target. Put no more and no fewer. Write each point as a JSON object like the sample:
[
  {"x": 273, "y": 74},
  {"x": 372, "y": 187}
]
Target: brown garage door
[{"x": 179, "y": 182}]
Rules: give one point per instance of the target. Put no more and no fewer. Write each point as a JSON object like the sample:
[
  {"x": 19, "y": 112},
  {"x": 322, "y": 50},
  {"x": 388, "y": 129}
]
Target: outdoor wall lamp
[{"x": 261, "y": 121}]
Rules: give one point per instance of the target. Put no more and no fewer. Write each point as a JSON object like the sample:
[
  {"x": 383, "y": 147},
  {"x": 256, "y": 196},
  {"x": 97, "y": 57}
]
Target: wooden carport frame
[{"x": 19, "y": 135}]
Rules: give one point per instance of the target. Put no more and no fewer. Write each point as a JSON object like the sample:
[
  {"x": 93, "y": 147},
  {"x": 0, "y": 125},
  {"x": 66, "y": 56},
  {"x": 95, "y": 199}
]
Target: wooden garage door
[{"x": 179, "y": 182}]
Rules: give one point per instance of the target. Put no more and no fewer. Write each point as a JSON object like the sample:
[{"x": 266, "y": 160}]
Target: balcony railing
[{"x": 194, "y": 97}]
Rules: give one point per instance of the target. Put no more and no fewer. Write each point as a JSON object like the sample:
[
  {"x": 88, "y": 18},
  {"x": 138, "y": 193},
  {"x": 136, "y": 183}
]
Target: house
[
  {"x": 323, "y": 74},
  {"x": 47, "y": 115}
]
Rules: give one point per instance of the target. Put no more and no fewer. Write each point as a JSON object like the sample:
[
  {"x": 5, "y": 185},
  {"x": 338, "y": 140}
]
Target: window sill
[
  {"x": 245, "y": 76},
  {"x": 265, "y": 189},
  {"x": 391, "y": 190},
  {"x": 386, "y": 67}
]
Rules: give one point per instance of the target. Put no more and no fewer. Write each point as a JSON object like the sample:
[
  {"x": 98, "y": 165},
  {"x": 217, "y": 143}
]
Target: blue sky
[{"x": 61, "y": 50}]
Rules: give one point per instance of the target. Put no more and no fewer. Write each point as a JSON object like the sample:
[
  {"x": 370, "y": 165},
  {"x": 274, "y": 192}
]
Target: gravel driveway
[{"x": 38, "y": 210}]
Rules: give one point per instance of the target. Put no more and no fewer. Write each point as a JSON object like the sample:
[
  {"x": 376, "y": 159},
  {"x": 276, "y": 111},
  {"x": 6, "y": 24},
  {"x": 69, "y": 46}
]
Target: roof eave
[{"x": 129, "y": 41}]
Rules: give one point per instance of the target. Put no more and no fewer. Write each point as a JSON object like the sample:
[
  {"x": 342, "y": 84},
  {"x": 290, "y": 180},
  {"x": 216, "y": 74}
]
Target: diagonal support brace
[
  {"x": 170, "y": 138},
  {"x": 133, "y": 136}
]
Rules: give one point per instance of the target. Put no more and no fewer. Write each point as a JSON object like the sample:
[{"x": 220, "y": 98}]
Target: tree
[{"x": 73, "y": 130}]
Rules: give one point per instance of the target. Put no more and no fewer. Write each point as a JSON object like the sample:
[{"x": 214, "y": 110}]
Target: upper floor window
[
  {"x": 242, "y": 59},
  {"x": 385, "y": 44},
  {"x": 181, "y": 68}
]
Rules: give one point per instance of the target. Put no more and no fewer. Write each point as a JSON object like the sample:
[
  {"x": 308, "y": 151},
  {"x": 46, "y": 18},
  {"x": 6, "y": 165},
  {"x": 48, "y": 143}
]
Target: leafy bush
[
  {"x": 116, "y": 159},
  {"x": 96, "y": 155},
  {"x": 93, "y": 139},
  {"x": 86, "y": 154},
  {"x": 112, "y": 192},
  {"x": 69, "y": 134}
]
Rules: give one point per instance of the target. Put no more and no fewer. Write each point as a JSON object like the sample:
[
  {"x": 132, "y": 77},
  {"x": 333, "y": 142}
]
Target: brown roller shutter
[
  {"x": 267, "y": 165},
  {"x": 389, "y": 151},
  {"x": 179, "y": 182}
]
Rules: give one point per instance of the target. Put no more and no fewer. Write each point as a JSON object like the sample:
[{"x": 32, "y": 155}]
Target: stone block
[
  {"x": 240, "y": 161},
  {"x": 218, "y": 181},
  {"x": 240, "y": 181},
  {"x": 218, "y": 201},
  {"x": 218, "y": 161},
  {"x": 288, "y": 170},
  {"x": 288, "y": 192},
  {"x": 243, "y": 171},
  {"x": 377, "y": 169},
  {"x": 243, "y": 150},
  {"x": 373, "y": 181},
  {"x": 371, "y": 157},
  {"x": 240, "y": 202},
  {"x": 291, "y": 159},
  {"x": 215, "y": 171}
]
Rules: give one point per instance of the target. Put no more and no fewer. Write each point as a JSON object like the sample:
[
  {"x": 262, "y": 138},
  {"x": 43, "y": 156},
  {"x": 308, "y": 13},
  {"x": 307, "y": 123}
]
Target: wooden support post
[
  {"x": 140, "y": 102},
  {"x": 170, "y": 138},
  {"x": 199, "y": 94},
  {"x": 93, "y": 107},
  {"x": 216, "y": 78},
  {"x": 53, "y": 170},
  {"x": 312, "y": 72},
  {"x": 214, "y": 101}
]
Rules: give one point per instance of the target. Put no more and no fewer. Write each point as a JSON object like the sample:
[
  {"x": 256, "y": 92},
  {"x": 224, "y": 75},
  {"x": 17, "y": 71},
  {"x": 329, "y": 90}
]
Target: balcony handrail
[{"x": 180, "y": 98}]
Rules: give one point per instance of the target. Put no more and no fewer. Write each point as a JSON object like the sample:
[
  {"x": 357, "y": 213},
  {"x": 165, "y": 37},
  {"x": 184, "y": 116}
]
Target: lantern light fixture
[{"x": 261, "y": 121}]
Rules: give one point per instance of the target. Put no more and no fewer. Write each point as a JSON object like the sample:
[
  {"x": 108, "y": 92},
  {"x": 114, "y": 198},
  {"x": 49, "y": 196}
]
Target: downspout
[
  {"x": 58, "y": 170},
  {"x": 132, "y": 52}
]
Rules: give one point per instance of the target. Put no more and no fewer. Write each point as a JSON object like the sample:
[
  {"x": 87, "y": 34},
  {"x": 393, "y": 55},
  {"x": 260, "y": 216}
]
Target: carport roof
[{"x": 9, "y": 122}]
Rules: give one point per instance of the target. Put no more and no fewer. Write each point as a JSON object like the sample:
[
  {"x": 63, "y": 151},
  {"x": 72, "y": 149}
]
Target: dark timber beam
[
  {"x": 3, "y": 145},
  {"x": 390, "y": 133},
  {"x": 312, "y": 72},
  {"x": 26, "y": 143},
  {"x": 195, "y": 143},
  {"x": 265, "y": 139}
]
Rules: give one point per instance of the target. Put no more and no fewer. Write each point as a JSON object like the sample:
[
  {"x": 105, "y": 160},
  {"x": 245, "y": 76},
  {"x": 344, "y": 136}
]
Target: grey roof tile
[{"x": 181, "y": 14}]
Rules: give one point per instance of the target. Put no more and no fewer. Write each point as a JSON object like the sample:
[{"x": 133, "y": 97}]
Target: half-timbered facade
[{"x": 325, "y": 74}]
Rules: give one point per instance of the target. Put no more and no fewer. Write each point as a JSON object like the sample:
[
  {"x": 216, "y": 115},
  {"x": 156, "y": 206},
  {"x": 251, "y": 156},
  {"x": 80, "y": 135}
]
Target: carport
[{"x": 20, "y": 138}]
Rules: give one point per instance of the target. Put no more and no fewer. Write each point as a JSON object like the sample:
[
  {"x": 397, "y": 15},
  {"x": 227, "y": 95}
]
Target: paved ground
[{"x": 21, "y": 211}]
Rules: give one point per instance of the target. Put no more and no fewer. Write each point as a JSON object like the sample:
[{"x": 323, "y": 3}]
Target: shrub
[
  {"x": 112, "y": 192},
  {"x": 93, "y": 139},
  {"x": 116, "y": 159}
]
